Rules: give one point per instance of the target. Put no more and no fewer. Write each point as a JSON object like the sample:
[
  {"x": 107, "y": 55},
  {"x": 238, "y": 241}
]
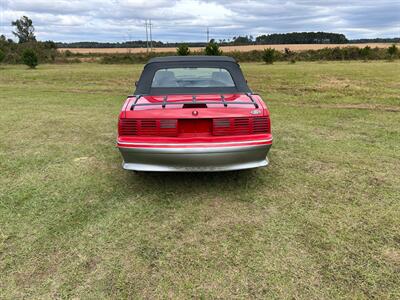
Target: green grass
[{"x": 322, "y": 221}]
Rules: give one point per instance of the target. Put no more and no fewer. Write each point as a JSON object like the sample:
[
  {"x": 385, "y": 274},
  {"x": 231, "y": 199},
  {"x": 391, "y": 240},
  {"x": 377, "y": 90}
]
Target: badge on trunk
[
  {"x": 255, "y": 112},
  {"x": 195, "y": 113}
]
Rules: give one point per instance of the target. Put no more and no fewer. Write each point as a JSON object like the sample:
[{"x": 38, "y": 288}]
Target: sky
[{"x": 187, "y": 20}]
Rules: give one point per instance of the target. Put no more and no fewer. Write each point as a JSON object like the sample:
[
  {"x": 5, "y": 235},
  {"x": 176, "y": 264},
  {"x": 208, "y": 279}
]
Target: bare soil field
[{"x": 293, "y": 47}]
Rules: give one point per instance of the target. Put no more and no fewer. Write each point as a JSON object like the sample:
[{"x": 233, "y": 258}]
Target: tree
[
  {"x": 49, "y": 45},
  {"x": 29, "y": 58},
  {"x": 183, "y": 50},
  {"x": 242, "y": 40},
  {"x": 5, "y": 40},
  {"x": 288, "y": 53},
  {"x": 365, "y": 53},
  {"x": 392, "y": 51},
  {"x": 269, "y": 56},
  {"x": 24, "y": 30},
  {"x": 2, "y": 55},
  {"x": 213, "y": 49}
]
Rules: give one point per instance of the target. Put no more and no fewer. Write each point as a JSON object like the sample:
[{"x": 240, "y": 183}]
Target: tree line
[
  {"x": 281, "y": 38},
  {"x": 270, "y": 39},
  {"x": 302, "y": 38},
  {"x": 30, "y": 51},
  {"x": 127, "y": 44}
]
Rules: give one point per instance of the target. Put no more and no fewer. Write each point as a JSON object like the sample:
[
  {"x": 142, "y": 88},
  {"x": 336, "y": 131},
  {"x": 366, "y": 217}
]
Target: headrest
[
  {"x": 223, "y": 78},
  {"x": 164, "y": 79}
]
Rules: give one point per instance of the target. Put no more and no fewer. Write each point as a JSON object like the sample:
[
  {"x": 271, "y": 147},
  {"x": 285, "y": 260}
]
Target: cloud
[{"x": 187, "y": 20}]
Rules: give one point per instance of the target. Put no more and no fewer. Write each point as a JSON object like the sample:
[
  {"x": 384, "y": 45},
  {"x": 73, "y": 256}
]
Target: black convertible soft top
[{"x": 224, "y": 62}]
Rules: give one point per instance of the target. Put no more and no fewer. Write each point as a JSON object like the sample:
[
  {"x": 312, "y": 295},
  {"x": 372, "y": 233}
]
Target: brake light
[
  {"x": 241, "y": 126},
  {"x": 261, "y": 125},
  {"x": 169, "y": 127},
  {"x": 144, "y": 127}
]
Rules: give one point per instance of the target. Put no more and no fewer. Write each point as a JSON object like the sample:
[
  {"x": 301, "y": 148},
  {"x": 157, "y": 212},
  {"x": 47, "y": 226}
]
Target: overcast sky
[{"x": 187, "y": 20}]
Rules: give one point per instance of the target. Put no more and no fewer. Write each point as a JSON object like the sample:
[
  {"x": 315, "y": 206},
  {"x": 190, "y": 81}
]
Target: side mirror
[{"x": 136, "y": 83}]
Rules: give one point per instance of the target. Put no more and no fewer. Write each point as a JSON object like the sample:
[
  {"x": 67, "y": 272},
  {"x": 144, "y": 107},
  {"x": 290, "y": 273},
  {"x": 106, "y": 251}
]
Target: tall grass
[{"x": 321, "y": 222}]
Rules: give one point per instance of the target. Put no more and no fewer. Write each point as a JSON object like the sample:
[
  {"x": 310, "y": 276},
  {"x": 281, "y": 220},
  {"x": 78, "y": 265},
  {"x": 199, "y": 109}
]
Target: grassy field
[
  {"x": 244, "y": 48},
  {"x": 322, "y": 222}
]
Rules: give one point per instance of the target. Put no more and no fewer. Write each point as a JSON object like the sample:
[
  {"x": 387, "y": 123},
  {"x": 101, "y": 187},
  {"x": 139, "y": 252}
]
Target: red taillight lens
[
  {"x": 241, "y": 126},
  {"x": 168, "y": 127},
  {"x": 143, "y": 127},
  {"x": 221, "y": 126},
  {"x": 127, "y": 127},
  {"x": 261, "y": 125}
]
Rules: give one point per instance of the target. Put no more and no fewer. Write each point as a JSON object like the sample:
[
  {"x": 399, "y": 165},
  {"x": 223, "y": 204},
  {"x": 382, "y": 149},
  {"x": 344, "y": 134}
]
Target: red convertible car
[{"x": 193, "y": 113}]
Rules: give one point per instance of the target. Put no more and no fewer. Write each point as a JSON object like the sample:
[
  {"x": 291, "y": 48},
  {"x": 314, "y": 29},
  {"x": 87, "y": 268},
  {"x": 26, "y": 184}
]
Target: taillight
[
  {"x": 261, "y": 125},
  {"x": 127, "y": 127},
  {"x": 241, "y": 126},
  {"x": 168, "y": 127},
  {"x": 144, "y": 127}
]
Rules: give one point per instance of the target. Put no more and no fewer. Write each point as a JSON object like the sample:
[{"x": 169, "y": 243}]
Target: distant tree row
[
  {"x": 377, "y": 40},
  {"x": 128, "y": 44},
  {"x": 281, "y": 38},
  {"x": 271, "y": 39},
  {"x": 302, "y": 38}
]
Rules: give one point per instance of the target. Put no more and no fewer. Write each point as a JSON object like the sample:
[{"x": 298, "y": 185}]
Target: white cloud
[{"x": 179, "y": 20}]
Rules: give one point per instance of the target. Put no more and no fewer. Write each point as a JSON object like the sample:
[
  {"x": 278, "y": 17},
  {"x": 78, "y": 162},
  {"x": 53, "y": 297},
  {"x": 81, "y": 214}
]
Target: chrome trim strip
[
  {"x": 197, "y": 150},
  {"x": 196, "y": 144},
  {"x": 163, "y": 168}
]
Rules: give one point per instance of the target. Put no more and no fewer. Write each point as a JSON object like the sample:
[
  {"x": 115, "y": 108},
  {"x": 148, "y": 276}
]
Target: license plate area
[{"x": 195, "y": 127}]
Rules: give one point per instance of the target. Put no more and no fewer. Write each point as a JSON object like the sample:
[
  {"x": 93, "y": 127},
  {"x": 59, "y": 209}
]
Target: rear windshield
[{"x": 193, "y": 77}]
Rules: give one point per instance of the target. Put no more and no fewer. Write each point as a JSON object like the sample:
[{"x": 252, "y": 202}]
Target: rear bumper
[{"x": 195, "y": 159}]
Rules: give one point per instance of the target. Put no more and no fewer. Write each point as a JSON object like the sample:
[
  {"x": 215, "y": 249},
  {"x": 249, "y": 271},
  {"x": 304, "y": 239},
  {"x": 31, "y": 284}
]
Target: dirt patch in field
[
  {"x": 327, "y": 84},
  {"x": 337, "y": 83},
  {"x": 392, "y": 255}
]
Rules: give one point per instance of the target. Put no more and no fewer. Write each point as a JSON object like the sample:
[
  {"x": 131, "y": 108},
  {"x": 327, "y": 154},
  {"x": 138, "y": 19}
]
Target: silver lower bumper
[{"x": 195, "y": 159}]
